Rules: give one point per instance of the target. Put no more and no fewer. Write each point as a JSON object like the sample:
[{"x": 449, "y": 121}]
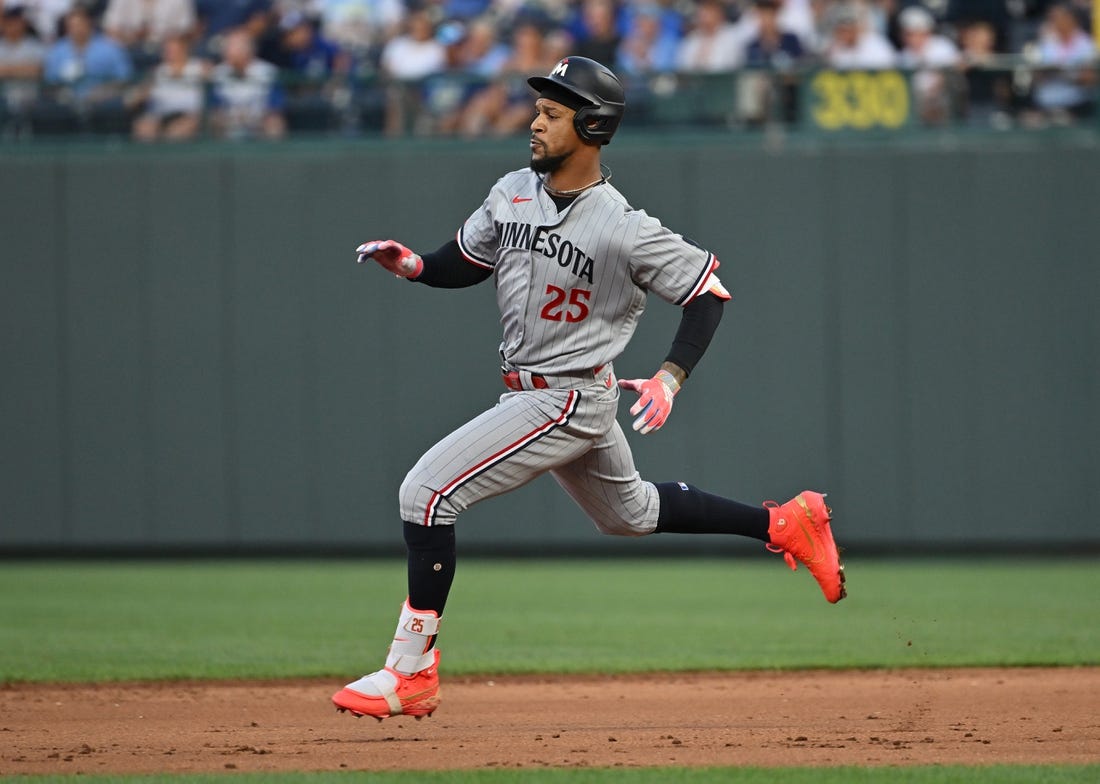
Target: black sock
[
  {"x": 431, "y": 565},
  {"x": 688, "y": 510}
]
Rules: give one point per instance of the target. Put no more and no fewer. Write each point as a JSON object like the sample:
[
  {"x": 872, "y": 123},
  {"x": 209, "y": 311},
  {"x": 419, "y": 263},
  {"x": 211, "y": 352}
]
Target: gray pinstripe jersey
[{"x": 571, "y": 286}]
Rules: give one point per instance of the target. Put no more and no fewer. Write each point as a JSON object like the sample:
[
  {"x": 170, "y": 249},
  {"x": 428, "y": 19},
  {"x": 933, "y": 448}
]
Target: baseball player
[{"x": 572, "y": 262}]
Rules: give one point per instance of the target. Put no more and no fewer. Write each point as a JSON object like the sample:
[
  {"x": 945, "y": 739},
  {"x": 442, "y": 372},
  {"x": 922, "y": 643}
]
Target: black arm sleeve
[
  {"x": 447, "y": 268},
  {"x": 698, "y": 322}
]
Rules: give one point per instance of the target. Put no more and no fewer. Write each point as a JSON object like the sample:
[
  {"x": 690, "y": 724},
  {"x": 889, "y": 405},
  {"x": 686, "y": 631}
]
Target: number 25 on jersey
[{"x": 572, "y": 305}]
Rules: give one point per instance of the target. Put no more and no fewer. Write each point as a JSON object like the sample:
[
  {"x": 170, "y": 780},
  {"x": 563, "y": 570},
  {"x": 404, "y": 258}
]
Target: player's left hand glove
[
  {"x": 654, "y": 399},
  {"x": 392, "y": 255}
]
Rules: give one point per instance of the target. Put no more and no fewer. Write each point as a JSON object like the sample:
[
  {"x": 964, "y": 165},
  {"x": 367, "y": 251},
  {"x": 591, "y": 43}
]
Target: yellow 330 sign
[{"x": 858, "y": 100}]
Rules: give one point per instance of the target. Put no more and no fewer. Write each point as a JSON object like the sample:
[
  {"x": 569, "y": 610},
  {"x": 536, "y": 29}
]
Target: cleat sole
[{"x": 359, "y": 715}]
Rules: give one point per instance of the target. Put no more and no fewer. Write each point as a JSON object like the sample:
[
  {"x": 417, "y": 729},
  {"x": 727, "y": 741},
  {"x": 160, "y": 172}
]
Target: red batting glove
[
  {"x": 654, "y": 399},
  {"x": 392, "y": 255}
]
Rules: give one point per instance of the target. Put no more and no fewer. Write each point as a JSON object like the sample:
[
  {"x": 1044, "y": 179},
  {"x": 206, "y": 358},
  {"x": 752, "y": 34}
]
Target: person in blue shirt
[
  {"x": 302, "y": 51},
  {"x": 221, "y": 16},
  {"x": 772, "y": 46},
  {"x": 90, "y": 64},
  {"x": 651, "y": 44},
  {"x": 769, "y": 90}
]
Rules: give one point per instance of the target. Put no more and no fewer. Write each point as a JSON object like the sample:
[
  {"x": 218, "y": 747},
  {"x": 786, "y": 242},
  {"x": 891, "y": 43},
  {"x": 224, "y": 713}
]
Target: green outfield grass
[
  {"x": 947, "y": 774},
  {"x": 138, "y": 620}
]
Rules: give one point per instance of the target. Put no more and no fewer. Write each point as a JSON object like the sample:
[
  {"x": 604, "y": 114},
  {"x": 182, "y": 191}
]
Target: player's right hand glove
[
  {"x": 392, "y": 255},
  {"x": 654, "y": 399}
]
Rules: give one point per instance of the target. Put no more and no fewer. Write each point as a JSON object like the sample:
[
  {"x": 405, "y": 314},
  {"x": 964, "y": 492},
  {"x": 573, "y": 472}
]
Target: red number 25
[{"x": 576, "y": 310}]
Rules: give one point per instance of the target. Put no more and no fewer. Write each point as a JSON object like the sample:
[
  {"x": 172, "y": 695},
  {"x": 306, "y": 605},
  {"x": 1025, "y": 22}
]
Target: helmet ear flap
[{"x": 597, "y": 132}]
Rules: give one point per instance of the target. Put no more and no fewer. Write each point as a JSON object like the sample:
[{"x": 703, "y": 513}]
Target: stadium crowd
[{"x": 176, "y": 69}]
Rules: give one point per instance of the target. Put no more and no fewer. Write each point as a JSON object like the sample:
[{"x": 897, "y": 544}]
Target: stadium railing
[{"x": 1010, "y": 93}]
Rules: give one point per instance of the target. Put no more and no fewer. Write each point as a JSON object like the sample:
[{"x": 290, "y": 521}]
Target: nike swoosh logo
[
  {"x": 814, "y": 555},
  {"x": 518, "y": 199}
]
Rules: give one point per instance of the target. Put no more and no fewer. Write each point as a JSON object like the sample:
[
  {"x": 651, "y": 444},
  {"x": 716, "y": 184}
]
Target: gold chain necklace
[{"x": 574, "y": 191}]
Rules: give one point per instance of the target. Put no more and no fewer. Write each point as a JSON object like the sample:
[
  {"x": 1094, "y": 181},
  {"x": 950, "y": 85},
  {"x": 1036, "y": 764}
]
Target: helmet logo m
[{"x": 560, "y": 68}]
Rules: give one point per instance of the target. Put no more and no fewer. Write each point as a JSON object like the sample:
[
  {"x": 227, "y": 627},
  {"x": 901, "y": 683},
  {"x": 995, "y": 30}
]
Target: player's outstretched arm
[
  {"x": 444, "y": 268},
  {"x": 393, "y": 256}
]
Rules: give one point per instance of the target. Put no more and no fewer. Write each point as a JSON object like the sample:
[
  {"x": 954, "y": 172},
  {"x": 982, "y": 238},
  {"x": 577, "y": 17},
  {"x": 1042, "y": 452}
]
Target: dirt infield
[{"x": 899, "y": 717}]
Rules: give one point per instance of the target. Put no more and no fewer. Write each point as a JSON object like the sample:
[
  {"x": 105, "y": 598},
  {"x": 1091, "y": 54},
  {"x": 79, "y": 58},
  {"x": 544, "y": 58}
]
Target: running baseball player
[{"x": 572, "y": 263}]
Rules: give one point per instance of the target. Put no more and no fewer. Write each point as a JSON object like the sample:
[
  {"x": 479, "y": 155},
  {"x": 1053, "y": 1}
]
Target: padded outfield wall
[{"x": 191, "y": 358}]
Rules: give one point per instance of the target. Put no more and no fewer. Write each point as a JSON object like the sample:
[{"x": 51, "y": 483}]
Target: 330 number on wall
[{"x": 859, "y": 100}]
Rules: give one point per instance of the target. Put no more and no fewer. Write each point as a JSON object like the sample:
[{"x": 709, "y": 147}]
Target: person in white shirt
[
  {"x": 247, "y": 99},
  {"x": 714, "y": 45},
  {"x": 1064, "y": 91},
  {"x": 44, "y": 15},
  {"x": 360, "y": 25},
  {"x": 407, "y": 60},
  {"x": 852, "y": 45},
  {"x": 139, "y": 23},
  {"x": 415, "y": 54},
  {"x": 929, "y": 56},
  {"x": 175, "y": 95}
]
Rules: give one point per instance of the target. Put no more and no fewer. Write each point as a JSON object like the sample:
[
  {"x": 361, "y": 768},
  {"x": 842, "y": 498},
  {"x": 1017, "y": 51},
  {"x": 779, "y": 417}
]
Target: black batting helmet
[{"x": 591, "y": 90}]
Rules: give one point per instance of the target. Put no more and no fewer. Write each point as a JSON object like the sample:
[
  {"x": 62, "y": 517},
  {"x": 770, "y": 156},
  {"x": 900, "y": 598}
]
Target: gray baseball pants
[{"x": 566, "y": 429}]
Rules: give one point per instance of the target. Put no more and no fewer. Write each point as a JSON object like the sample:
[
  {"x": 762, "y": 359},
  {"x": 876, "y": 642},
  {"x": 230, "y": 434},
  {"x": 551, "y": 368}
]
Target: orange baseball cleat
[
  {"x": 391, "y": 693},
  {"x": 800, "y": 530}
]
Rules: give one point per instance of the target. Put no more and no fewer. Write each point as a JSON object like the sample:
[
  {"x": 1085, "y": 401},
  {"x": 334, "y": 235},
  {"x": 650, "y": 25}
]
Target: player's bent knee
[{"x": 422, "y": 504}]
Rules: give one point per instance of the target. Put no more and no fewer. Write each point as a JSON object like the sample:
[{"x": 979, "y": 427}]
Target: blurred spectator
[
  {"x": 360, "y": 26},
  {"x": 557, "y": 44},
  {"x": 91, "y": 65},
  {"x": 800, "y": 17},
  {"x": 416, "y": 53},
  {"x": 772, "y": 89},
  {"x": 792, "y": 16},
  {"x": 217, "y": 18},
  {"x": 1064, "y": 91},
  {"x": 714, "y": 45},
  {"x": 484, "y": 54},
  {"x": 145, "y": 24},
  {"x": 314, "y": 71},
  {"x": 305, "y": 54},
  {"x": 407, "y": 59},
  {"x": 21, "y": 58},
  {"x": 174, "y": 95},
  {"x": 772, "y": 46},
  {"x": 474, "y": 58},
  {"x": 932, "y": 59},
  {"x": 309, "y": 7},
  {"x": 852, "y": 45},
  {"x": 44, "y": 16},
  {"x": 599, "y": 36},
  {"x": 988, "y": 96},
  {"x": 465, "y": 9},
  {"x": 504, "y": 107},
  {"x": 446, "y": 92},
  {"x": 247, "y": 100},
  {"x": 650, "y": 46}
]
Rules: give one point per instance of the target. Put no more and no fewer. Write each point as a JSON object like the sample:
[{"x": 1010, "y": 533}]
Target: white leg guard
[
  {"x": 408, "y": 655},
  {"x": 409, "y": 652}
]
